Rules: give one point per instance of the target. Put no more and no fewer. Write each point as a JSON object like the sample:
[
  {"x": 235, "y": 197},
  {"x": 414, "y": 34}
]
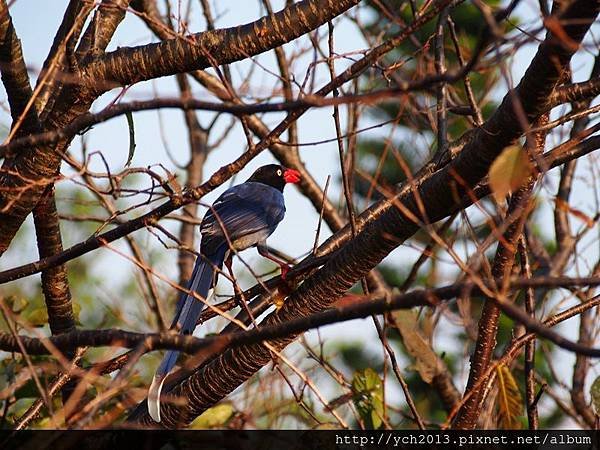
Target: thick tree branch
[
  {"x": 568, "y": 151},
  {"x": 14, "y": 73},
  {"x": 129, "y": 65},
  {"x": 56, "y": 66},
  {"x": 575, "y": 92},
  {"x": 24, "y": 176},
  {"x": 55, "y": 283},
  {"x": 98, "y": 34},
  {"x": 27, "y": 174}
]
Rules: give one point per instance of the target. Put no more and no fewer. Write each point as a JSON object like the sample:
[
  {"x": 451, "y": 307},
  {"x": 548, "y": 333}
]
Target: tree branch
[
  {"x": 14, "y": 73},
  {"x": 129, "y": 65}
]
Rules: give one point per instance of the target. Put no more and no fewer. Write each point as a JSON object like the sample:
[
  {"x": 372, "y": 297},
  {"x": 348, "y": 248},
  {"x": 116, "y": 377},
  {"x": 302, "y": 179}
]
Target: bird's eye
[{"x": 279, "y": 173}]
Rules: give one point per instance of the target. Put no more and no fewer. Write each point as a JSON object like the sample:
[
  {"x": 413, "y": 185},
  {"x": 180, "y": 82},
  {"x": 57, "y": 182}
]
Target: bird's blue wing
[{"x": 246, "y": 214}]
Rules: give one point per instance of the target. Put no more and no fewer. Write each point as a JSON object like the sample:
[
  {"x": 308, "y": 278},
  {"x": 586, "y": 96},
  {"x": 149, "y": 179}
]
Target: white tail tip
[{"x": 154, "y": 397}]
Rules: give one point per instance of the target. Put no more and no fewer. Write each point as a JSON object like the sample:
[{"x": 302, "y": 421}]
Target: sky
[{"x": 36, "y": 22}]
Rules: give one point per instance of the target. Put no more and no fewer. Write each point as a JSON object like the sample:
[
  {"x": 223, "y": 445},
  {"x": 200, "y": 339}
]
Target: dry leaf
[
  {"x": 509, "y": 171},
  {"x": 426, "y": 361},
  {"x": 561, "y": 204},
  {"x": 510, "y": 401},
  {"x": 556, "y": 27}
]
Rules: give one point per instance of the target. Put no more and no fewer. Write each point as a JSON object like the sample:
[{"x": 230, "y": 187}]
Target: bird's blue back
[{"x": 247, "y": 214}]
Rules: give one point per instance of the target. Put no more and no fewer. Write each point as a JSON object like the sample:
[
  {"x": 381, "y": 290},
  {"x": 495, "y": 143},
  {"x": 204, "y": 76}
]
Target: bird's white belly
[{"x": 249, "y": 240}]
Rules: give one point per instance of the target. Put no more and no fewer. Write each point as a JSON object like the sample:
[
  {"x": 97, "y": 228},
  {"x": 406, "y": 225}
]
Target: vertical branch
[
  {"x": 286, "y": 82},
  {"x": 530, "y": 394},
  {"x": 55, "y": 283},
  {"x": 340, "y": 140},
  {"x": 98, "y": 34},
  {"x": 198, "y": 139},
  {"x": 488, "y": 322},
  {"x": 477, "y": 116},
  {"x": 582, "y": 363},
  {"x": 580, "y": 370},
  {"x": 441, "y": 107},
  {"x": 564, "y": 240},
  {"x": 56, "y": 66},
  {"x": 566, "y": 243},
  {"x": 501, "y": 270}
]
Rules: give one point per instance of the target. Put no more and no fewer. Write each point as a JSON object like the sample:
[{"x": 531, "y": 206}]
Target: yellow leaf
[
  {"x": 510, "y": 402},
  {"x": 215, "y": 417},
  {"x": 37, "y": 317},
  {"x": 509, "y": 171}
]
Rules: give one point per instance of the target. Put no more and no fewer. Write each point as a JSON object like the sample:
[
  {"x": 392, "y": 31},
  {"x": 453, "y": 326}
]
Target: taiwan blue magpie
[{"x": 243, "y": 216}]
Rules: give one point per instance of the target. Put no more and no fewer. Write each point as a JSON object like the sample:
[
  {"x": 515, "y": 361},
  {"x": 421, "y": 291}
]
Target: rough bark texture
[
  {"x": 14, "y": 72},
  {"x": 488, "y": 322},
  {"x": 130, "y": 65},
  {"x": 387, "y": 226},
  {"x": 55, "y": 283}
]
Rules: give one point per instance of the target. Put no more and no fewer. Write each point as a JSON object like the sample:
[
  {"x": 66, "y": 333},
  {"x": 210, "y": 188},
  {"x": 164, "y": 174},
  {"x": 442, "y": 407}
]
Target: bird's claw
[{"x": 284, "y": 271}]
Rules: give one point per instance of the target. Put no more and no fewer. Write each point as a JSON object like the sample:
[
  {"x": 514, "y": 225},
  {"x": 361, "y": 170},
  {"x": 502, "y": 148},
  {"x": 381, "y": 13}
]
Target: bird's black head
[{"x": 275, "y": 175}]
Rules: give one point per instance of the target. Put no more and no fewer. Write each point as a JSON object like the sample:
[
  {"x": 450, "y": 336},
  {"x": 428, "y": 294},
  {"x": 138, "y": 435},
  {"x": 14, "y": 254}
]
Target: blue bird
[{"x": 243, "y": 216}]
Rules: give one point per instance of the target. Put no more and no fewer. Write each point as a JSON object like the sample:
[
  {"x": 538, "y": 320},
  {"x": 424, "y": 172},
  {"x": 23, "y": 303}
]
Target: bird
[{"x": 244, "y": 216}]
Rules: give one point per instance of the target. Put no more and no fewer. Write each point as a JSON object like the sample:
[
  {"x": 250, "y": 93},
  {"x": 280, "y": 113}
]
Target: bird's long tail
[{"x": 186, "y": 317}]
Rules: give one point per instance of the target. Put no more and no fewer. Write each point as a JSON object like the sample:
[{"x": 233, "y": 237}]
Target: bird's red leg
[
  {"x": 229, "y": 265},
  {"x": 264, "y": 252},
  {"x": 238, "y": 294},
  {"x": 236, "y": 289}
]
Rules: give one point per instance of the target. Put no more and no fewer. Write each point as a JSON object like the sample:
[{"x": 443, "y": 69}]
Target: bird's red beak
[{"x": 291, "y": 176}]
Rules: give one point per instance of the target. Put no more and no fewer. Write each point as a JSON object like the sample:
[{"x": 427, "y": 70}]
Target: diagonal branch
[
  {"x": 129, "y": 65},
  {"x": 225, "y": 172}
]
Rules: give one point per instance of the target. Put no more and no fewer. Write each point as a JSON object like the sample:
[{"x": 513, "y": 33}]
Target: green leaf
[
  {"x": 16, "y": 304},
  {"x": 595, "y": 394},
  {"x": 368, "y": 397},
  {"x": 38, "y": 317},
  {"x": 215, "y": 417},
  {"x": 131, "y": 126}
]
